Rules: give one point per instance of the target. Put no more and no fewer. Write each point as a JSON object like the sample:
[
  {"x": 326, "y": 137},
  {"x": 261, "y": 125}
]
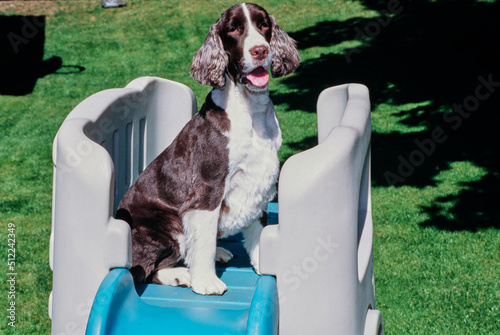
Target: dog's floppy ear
[
  {"x": 210, "y": 61},
  {"x": 285, "y": 55}
]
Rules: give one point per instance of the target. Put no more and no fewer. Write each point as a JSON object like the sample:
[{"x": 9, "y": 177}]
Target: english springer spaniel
[{"x": 219, "y": 173}]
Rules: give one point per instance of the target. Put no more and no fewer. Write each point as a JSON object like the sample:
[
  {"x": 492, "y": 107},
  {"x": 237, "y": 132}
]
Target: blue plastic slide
[{"x": 250, "y": 305}]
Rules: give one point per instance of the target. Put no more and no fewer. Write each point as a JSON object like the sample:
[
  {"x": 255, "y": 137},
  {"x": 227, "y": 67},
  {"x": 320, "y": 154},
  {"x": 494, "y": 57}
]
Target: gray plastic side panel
[
  {"x": 100, "y": 149},
  {"x": 321, "y": 250}
]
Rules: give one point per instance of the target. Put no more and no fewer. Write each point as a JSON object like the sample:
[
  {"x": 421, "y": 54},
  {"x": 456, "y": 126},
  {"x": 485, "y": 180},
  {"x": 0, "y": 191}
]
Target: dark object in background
[{"x": 21, "y": 54}]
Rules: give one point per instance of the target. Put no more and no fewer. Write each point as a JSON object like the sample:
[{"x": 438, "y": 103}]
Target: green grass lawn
[{"x": 432, "y": 70}]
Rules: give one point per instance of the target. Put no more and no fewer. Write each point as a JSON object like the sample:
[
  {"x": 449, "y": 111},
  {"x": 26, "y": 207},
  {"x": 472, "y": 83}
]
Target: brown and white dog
[{"x": 218, "y": 175}]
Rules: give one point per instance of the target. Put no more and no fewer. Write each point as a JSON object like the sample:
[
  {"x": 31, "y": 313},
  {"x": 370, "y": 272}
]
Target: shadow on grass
[
  {"x": 443, "y": 53},
  {"x": 22, "y": 40}
]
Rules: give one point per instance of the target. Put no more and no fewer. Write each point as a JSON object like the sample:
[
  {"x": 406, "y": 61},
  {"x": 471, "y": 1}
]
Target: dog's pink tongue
[{"x": 258, "y": 77}]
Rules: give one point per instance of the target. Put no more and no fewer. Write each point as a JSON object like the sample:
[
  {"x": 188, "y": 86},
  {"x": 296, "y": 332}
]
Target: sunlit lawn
[{"x": 436, "y": 221}]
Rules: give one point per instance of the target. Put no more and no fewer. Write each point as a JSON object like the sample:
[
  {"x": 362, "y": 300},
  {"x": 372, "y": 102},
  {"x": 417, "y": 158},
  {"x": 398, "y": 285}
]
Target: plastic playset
[{"x": 316, "y": 253}]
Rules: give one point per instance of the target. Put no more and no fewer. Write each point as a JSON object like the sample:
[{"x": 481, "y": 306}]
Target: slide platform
[{"x": 249, "y": 306}]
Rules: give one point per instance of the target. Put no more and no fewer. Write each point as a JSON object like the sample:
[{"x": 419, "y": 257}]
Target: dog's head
[{"x": 244, "y": 44}]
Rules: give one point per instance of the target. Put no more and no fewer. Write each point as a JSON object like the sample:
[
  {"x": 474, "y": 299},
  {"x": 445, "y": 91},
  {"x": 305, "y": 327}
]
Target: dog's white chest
[{"x": 254, "y": 141}]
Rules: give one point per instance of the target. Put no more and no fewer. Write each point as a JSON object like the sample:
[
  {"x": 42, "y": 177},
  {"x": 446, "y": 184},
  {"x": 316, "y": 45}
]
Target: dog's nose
[{"x": 259, "y": 52}]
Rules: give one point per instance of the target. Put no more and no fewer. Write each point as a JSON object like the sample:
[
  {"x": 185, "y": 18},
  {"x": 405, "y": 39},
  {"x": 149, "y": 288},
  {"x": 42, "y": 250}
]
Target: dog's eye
[
  {"x": 234, "y": 29},
  {"x": 264, "y": 26}
]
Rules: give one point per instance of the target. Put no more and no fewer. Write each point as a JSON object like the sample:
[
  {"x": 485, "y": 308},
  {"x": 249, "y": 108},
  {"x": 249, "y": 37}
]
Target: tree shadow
[
  {"x": 443, "y": 54},
  {"x": 473, "y": 208}
]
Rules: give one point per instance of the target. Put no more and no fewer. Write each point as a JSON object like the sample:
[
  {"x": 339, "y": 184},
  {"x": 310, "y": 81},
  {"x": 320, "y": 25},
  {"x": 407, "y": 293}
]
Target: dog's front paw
[
  {"x": 209, "y": 284},
  {"x": 223, "y": 255}
]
